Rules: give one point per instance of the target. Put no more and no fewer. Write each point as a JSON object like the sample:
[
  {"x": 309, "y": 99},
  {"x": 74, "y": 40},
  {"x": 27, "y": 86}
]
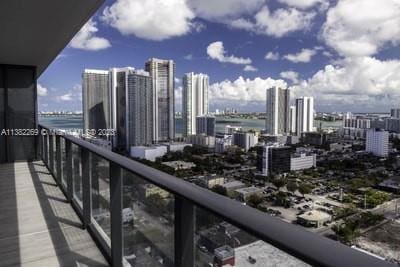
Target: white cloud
[
  {"x": 188, "y": 57},
  {"x": 272, "y": 56},
  {"x": 363, "y": 83},
  {"x": 221, "y": 10},
  {"x": 150, "y": 19},
  {"x": 304, "y": 4},
  {"x": 290, "y": 75},
  {"x": 250, "y": 68},
  {"x": 303, "y": 56},
  {"x": 41, "y": 90},
  {"x": 362, "y": 27},
  {"x": 278, "y": 23},
  {"x": 86, "y": 38},
  {"x": 216, "y": 51},
  {"x": 243, "y": 90},
  {"x": 74, "y": 94},
  {"x": 177, "y": 80}
]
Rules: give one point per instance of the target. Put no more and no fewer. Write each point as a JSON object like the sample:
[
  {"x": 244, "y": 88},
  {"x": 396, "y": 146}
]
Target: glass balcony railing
[{"x": 140, "y": 216}]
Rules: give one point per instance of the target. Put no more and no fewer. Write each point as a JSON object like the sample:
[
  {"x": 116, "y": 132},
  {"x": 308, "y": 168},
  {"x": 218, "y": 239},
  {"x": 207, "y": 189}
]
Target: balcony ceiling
[{"x": 34, "y": 32}]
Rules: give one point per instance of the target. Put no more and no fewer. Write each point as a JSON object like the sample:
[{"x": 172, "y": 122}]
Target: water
[{"x": 76, "y": 122}]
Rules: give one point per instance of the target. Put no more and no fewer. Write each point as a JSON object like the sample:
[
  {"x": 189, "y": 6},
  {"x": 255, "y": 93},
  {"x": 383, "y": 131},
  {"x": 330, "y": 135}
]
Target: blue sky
[{"x": 345, "y": 53}]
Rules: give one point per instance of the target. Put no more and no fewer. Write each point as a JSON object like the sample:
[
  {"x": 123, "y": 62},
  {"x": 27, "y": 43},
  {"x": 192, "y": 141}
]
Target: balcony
[{"x": 139, "y": 216}]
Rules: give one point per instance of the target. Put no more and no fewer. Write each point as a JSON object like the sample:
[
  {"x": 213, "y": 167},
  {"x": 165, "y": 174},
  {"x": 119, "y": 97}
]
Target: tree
[
  {"x": 254, "y": 200},
  {"x": 219, "y": 190},
  {"x": 305, "y": 189},
  {"x": 291, "y": 186},
  {"x": 279, "y": 182}
]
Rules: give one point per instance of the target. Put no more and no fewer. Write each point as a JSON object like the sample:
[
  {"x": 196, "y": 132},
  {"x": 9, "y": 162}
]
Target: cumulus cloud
[
  {"x": 86, "y": 38},
  {"x": 272, "y": 56},
  {"x": 360, "y": 82},
  {"x": 151, "y": 19},
  {"x": 243, "y": 90},
  {"x": 362, "y": 27},
  {"x": 303, "y": 56},
  {"x": 277, "y": 23},
  {"x": 290, "y": 75},
  {"x": 250, "y": 68},
  {"x": 217, "y": 51},
  {"x": 304, "y": 4},
  {"x": 41, "y": 90},
  {"x": 74, "y": 94},
  {"x": 222, "y": 10}
]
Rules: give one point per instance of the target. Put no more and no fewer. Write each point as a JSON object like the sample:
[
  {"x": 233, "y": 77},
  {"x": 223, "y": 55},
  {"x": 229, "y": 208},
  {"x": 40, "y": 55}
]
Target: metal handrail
[{"x": 292, "y": 239}]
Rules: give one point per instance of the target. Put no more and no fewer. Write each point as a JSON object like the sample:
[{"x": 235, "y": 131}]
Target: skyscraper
[
  {"x": 96, "y": 100},
  {"x": 277, "y": 114},
  {"x": 119, "y": 99},
  {"x": 162, "y": 73},
  {"x": 205, "y": 125},
  {"x": 305, "y": 115},
  {"x": 194, "y": 100},
  {"x": 292, "y": 119}
]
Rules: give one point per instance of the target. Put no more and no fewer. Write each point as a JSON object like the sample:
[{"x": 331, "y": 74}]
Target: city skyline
[{"x": 244, "y": 48}]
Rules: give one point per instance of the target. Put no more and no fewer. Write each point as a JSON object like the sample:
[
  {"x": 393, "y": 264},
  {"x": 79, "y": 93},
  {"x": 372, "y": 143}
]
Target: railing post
[
  {"x": 68, "y": 170},
  {"x": 51, "y": 154},
  {"x": 46, "y": 150},
  {"x": 40, "y": 144},
  {"x": 58, "y": 160},
  {"x": 117, "y": 240},
  {"x": 86, "y": 187},
  {"x": 184, "y": 232}
]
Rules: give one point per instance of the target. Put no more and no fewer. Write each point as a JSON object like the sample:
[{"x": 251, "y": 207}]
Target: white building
[
  {"x": 277, "y": 111},
  {"x": 231, "y": 129},
  {"x": 175, "y": 146},
  {"x": 194, "y": 100},
  {"x": 292, "y": 119},
  {"x": 201, "y": 140},
  {"x": 162, "y": 73},
  {"x": 148, "y": 152},
  {"x": 304, "y": 115},
  {"x": 302, "y": 161},
  {"x": 245, "y": 140},
  {"x": 377, "y": 142},
  {"x": 222, "y": 143}
]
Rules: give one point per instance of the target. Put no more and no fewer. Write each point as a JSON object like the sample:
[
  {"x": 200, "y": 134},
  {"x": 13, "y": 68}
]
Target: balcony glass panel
[
  {"x": 54, "y": 167},
  {"x": 148, "y": 219},
  {"x": 63, "y": 164},
  {"x": 77, "y": 173},
  {"x": 219, "y": 243},
  {"x": 100, "y": 173}
]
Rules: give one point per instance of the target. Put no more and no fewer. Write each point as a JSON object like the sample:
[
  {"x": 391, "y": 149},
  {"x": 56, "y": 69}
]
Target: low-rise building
[
  {"x": 208, "y": 181},
  {"x": 232, "y": 186},
  {"x": 222, "y": 143},
  {"x": 245, "y": 140},
  {"x": 179, "y": 165},
  {"x": 313, "y": 218},
  {"x": 175, "y": 146},
  {"x": 242, "y": 194},
  {"x": 201, "y": 140},
  {"x": 148, "y": 152},
  {"x": 146, "y": 190},
  {"x": 302, "y": 161},
  {"x": 224, "y": 256}
]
